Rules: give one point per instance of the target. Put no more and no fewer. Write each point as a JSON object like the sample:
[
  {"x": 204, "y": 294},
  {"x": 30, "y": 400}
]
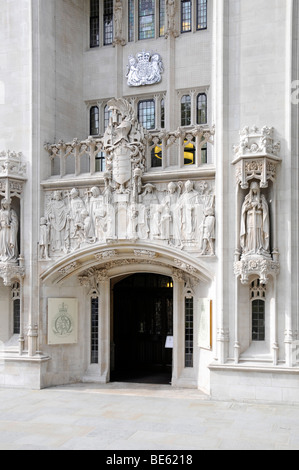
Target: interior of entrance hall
[{"x": 142, "y": 319}]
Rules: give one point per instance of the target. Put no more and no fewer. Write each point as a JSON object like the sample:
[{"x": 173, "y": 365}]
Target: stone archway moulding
[{"x": 110, "y": 260}]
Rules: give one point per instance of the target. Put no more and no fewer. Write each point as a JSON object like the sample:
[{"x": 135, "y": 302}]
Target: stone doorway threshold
[{"x": 134, "y": 389}]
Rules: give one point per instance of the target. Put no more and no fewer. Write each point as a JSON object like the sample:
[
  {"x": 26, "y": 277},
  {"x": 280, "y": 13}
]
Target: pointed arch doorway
[{"x": 142, "y": 319}]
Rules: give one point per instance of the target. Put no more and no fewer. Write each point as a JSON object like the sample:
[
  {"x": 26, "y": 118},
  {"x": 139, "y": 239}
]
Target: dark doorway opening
[{"x": 142, "y": 320}]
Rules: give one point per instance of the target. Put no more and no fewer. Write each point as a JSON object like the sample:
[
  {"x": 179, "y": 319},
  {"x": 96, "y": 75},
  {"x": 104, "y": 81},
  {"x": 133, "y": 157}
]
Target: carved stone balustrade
[{"x": 79, "y": 157}]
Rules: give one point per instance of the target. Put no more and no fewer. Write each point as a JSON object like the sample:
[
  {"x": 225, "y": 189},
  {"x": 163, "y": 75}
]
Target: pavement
[{"x": 131, "y": 417}]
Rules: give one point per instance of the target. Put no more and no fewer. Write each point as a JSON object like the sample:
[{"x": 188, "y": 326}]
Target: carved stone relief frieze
[{"x": 180, "y": 213}]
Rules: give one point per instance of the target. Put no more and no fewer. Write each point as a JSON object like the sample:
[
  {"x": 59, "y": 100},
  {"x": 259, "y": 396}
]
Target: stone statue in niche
[
  {"x": 118, "y": 23},
  {"x": 170, "y": 12},
  {"x": 255, "y": 223},
  {"x": 9, "y": 227},
  {"x": 44, "y": 239}
]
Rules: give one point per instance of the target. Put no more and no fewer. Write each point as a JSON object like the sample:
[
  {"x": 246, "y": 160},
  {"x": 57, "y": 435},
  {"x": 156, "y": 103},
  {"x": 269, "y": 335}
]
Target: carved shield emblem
[
  {"x": 144, "y": 69},
  {"x": 121, "y": 165}
]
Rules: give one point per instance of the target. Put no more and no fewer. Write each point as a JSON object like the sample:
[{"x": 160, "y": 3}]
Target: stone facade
[{"x": 208, "y": 202}]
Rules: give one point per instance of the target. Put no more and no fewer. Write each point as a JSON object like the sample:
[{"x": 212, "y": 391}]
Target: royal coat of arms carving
[{"x": 144, "y": 69}]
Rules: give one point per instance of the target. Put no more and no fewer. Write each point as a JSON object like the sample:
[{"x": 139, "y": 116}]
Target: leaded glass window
[
  {"x": 204, "y": 154},
  {"x": 108, "y": 22},
  {"x": 94, "y": 359},
  {"x": 146, "y": 114},
  {"x": 162, "y": 114},
  {"x": 202, "y": 108},
  {"x": 100, "y": 162},
  {"x": 94, "y": 120},
  {"x": 186, "y": 110},
  {"x": 186, "y": 16},
  {"x": 258, "y": 310},
  {"x": 146, "y": 13},
  {"x": 107, "y": 115},
  {"x": 258, "y": 320},
  {"x": 157, "y": 156},
  {"x": 189, "y": 314},
  {"x": 16, "y": 302},
  {"x": 131, "y": 22},
  {"x": 94, "y": 23},
  {"x": 162, "y": 18},
  {"x": 202, "y": 8}
]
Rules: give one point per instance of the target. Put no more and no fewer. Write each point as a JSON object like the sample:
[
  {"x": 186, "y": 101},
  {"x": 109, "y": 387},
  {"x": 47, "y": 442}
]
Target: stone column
[
  {"x": 178, "y": 326},
  {"x": 104, "y": 328}
]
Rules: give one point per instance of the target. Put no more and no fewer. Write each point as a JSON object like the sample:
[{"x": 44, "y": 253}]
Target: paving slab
[{"x": 124, "y": 417}]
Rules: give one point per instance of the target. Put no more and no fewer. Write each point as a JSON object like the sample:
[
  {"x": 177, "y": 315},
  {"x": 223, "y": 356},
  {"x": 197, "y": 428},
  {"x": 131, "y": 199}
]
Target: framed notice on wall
[
  {"x": 62, "y": 321},
  {"x": 205, "y": 307}
]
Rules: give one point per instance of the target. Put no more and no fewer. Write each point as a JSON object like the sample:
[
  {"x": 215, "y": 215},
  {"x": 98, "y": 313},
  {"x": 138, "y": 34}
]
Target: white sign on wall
[
  {"x": 205, "y": 323},
  {"x": 62, "y": 321}
]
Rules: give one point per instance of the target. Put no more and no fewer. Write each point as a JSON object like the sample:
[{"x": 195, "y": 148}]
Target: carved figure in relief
[
  {"x": 57, "y": 216},
  {"x": 166, "y": 220},
  {"x": 188, "y": 203},
  {"x": 171, "y": 199},
  {"x": 255, "y": 223},
  {"x": 207, "y": 233},
  {"x": 9, "y": 226},
  {"x": 84, "y": 232},
  {"x": 148, "y": 198},
  {"x": 44, "y": 238},
  {"x": 76, "y": 207},
  {"x": 156, "y": 222},
  {"x": 133, "y": 224}
]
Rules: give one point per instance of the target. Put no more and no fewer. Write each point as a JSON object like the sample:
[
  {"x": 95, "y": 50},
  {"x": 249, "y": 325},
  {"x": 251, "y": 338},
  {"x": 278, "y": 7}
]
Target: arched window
[
  {"x": 146, "y": 114},
  {"x": 16, "y": 303},
  {"x": 258, "y": 310},
  {"x": 186, "y": 110},
  {"x": 94, "y": 120},
  {"x": 202, "y": 108}
]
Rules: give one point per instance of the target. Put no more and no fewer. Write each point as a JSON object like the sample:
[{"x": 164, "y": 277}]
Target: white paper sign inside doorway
[{"x": 169, "y": 342}]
